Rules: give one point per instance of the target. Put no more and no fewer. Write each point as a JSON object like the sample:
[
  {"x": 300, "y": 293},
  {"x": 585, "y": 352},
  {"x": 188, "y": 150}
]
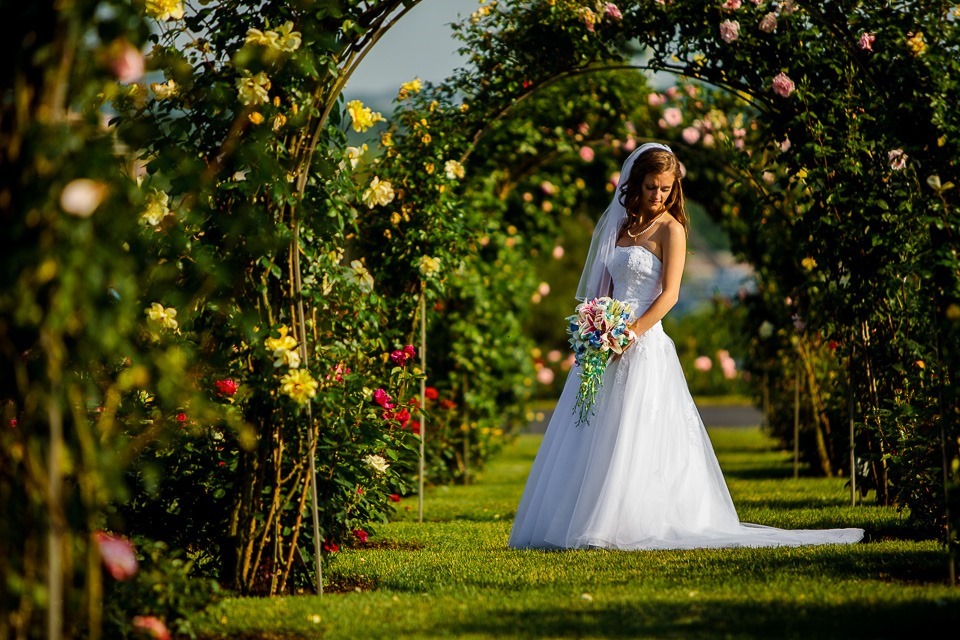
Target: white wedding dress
[{"x": 642, "y": 473}]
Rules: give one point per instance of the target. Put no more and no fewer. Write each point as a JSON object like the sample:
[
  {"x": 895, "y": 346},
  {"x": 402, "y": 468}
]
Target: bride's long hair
[{"x": 631, "y": 193}]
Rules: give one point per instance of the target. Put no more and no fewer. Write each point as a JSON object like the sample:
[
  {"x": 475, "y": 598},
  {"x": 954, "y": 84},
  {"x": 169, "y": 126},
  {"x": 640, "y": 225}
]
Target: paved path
[{"x": 713, "y": 416}]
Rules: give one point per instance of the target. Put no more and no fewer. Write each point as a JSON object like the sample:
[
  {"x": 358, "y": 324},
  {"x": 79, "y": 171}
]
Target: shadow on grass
[{"x": 707, "y": 620}]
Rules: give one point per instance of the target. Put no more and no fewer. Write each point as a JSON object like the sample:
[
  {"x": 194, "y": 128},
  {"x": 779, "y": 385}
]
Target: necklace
[{"x": 646, "y": 228}]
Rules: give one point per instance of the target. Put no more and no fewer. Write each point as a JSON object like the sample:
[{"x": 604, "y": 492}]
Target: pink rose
[
  {"x": 769, "y": 23},
  {"x": 545, "y": 376},
  {"x": 118, "y": 555},
  {"x": 672, "y": 116},
  {"x": 691, "y": 135},
  {"x": 703, "y": 363},
  {"x": 729, "y": 30},
  {"x": 731, "y": 5},
  {"x": 782, "y": 85},
  {"x": 897, "y": 159},
  {"x": 586, "y": 154},
  {"x": 612, "y": 11},
  {"x": 361, "y": 535},
  {"x": 383, "y": 399},
  {"x": 866, "y": 41},
  {"x": 153, "y": 626},
  {"x": 655, "y": 99},
  {"x": 729, "y": 368},
  {"x": 398, "y": 358},
  {"x": 126, "y": 62},
  {"x": 409, "y": 352},
  {"x": 630, "y": 144}
]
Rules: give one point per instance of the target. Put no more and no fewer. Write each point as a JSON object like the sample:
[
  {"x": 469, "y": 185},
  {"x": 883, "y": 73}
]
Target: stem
[
  {"x": 423, "y": 395},
  {"x": 54, "y": 542}
]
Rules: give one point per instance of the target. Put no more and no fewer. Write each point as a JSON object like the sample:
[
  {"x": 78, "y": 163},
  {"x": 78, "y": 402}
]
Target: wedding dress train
[{"x": 642, "y": 473}]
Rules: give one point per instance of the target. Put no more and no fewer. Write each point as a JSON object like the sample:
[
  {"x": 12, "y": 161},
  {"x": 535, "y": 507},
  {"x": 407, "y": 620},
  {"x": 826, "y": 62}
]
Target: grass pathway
[{"x": 454, "y": 576}]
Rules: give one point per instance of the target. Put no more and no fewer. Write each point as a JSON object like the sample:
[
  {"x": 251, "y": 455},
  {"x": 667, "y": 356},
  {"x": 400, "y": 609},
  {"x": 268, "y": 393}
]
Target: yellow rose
[
  {"x": 380, "y": 192},
  {"x": 164, "y": 317},
  {"x": 289, "y": 358},
  {"x": 256, "y": 117},
  {"x": 453, "y": 170},
  {"x": 299, "y": 385},
  {"x": 408, "y": 88},
  {"x": 429, "y": 266},
  {"x": 360, "y": 276},
  {"x": 354, "y": 154},
  {"x": 165, "y": 9},
  {"x": 916, "y": 43},
  {"x": 363, "y": 117},
  {"x": 253, "y": 89},
  {"x": 156, "y": 208},
  {"x": 283, "y": 39},
  {"x": 283, "y": 343},
  {"x": 164, "y": 90},
  {"x": 809, "y": 263}
]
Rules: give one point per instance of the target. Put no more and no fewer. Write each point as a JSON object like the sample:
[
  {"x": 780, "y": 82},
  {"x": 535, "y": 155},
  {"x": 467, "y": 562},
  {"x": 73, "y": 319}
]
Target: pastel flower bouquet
[{"x": 598, "y": 329}]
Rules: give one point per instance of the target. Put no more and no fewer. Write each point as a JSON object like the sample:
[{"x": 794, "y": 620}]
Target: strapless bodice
[{"x": 637, "y": 276}]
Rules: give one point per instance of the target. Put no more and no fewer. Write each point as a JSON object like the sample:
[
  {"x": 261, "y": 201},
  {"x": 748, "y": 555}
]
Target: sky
[{"x": 420, "y": 45}]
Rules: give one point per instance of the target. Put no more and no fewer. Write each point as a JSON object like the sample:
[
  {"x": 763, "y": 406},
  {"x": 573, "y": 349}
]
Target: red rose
[
  {"x": 181, "y": 417},
  {"x": 431, "y": 393},
  {"x": 13, "y": 423},
  {"x": 398, "y": 358},
  {"x": 226, "y": 387},
  {"x": 394, "y": 497},
  {"x": 361, "y": 535},
  {"x": 448, "y": 404},
  {"x": 360, "y": 491},
  {"x": 330, "y": 547},
  {"x": 403, "y": 417},
  {"x": 833, "y": 345},
  {"x": 414, "y": 402},
  {"x": 409, "y": 352},
  {"x": 415, "y": 427}
]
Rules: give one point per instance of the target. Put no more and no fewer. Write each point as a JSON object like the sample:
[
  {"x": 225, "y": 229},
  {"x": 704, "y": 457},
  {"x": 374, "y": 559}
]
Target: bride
[{"x": 641, "y": 474}]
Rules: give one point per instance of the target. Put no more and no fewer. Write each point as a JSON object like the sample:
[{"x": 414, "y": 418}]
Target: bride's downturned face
[{"x": 656, "y": 191}]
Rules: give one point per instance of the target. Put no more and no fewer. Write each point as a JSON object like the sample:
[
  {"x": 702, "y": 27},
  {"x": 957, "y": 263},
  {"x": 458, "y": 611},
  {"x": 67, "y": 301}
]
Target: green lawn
[{"x": 454, "y": 576}]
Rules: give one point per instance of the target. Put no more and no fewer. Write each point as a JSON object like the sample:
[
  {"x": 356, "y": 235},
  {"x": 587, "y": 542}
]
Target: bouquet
[{"x": 598, "y": 329}]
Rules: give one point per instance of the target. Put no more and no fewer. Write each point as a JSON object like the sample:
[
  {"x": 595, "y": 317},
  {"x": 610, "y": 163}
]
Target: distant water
[{"x": 728, "y": 282}]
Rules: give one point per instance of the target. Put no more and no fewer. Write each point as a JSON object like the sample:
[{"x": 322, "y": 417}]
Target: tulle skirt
[{"x": 642, "y": 473}]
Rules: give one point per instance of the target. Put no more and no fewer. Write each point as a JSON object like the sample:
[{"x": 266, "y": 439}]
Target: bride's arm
[{"x": 674, "y": 256}]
